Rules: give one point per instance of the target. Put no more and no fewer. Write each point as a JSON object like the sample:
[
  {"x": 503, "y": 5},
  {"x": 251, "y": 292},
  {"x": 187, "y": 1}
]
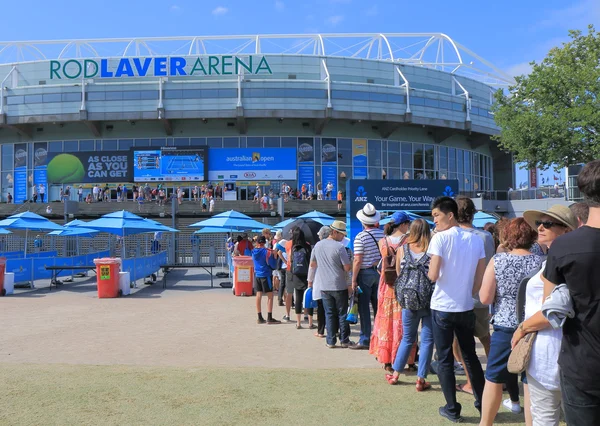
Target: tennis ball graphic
[{"x": 65, "y": 168}]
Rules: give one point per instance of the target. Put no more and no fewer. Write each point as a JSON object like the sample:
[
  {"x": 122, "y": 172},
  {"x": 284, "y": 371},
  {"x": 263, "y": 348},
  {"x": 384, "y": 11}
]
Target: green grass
[{"x": 126, "y": 395}]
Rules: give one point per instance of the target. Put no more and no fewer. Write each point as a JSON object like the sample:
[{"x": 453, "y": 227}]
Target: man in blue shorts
[{"x": 264, "y": 263}]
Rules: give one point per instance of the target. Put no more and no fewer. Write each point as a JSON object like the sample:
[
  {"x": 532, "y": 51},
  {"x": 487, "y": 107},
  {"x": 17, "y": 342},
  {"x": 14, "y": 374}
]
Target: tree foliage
[{"x": 552, "y": 115}]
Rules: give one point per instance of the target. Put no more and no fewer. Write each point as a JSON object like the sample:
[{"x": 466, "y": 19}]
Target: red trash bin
[
  {"x": 243, "y": 275},
  {"x": 107, "y": 277},
  {"x": 2, "y": 270}
]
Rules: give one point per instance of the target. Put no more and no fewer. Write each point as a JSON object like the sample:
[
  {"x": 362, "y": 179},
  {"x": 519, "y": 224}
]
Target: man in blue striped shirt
[{"x": 364, "y": 270}]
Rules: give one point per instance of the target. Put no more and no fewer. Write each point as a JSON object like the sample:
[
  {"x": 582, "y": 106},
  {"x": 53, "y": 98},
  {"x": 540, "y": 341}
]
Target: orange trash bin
[
  {"x": 243, "y": 275},
  {"x": 2, "y": 270},
  {"x": 107, "y": 277}
]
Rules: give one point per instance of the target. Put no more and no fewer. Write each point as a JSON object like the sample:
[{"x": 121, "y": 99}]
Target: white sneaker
[{"x": 515, "y": 407}]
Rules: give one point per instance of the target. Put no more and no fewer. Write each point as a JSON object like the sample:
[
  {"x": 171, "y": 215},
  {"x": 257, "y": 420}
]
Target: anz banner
[
  {"x": 393, "y": 195},
  {"x": 252, "y": 164}
]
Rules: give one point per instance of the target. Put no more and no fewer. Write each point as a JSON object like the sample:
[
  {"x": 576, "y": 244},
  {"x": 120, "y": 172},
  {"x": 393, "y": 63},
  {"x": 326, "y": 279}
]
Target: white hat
[{"x": 368, "y": 215}]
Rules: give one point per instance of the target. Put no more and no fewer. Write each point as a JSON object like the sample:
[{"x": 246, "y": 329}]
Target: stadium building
[{"x": 247, "y": 110}]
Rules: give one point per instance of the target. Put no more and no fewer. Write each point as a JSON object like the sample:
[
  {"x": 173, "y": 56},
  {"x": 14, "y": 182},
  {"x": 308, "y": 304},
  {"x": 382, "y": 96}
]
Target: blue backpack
[{"x": 300, "y": 261}]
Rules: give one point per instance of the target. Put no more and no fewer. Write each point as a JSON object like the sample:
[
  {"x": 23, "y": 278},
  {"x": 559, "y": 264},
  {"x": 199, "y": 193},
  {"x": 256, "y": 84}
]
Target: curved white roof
[{"x": 430, "y": 50}]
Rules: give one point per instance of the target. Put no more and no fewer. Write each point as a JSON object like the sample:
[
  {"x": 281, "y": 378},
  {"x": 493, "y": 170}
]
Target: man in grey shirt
[{"x": 329, "y": 265}]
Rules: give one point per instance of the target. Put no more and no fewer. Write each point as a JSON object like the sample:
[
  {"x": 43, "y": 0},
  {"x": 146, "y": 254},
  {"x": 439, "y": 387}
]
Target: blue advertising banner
[
  {"x": 360, "y": 172},
  {"x": 330, "y": 176},
  {"x": 252, "y": 163},
  {"x": 20, "y": 186},
  {"x": 393, "y": 195},
  {"x": 40, "y": 176},
  {"x": 306, "y": 175}
]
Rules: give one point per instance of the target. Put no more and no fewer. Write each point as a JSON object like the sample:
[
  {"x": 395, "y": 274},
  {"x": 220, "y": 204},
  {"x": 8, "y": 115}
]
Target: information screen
[{"x": 170, "y": 164}]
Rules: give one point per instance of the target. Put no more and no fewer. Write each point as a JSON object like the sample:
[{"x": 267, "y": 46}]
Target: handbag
[
  {"x": 521, "y": 354},
  {"x": 389, "y": 264}
]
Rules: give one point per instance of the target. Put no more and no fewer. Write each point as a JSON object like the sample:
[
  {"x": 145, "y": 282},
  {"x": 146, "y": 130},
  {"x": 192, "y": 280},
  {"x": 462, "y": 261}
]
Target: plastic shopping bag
[{"x": 352, "y": 316}]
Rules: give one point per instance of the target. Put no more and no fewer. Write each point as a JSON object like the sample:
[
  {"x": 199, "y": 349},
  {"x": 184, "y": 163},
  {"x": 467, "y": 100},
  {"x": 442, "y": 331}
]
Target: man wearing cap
[
  {"x": 264, "y": 263},
  {"x": 329, "y": 264},
  {"x": 573, "y": 260},
  {"x": 364, "y": 270}
]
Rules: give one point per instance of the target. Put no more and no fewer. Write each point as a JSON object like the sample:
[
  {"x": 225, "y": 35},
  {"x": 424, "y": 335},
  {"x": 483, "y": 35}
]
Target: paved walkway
[{"x": 188, "y": 324}]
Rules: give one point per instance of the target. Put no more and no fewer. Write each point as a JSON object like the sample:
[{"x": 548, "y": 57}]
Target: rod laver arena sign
[{"x": 160, "y": 67}]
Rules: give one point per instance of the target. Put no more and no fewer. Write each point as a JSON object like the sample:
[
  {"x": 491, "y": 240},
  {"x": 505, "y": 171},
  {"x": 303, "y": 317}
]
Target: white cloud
[
  {"x": 175, "y": 8},
  {"x": 519, "y": 69},
  {"x": 334, "y": 20},
  {"x": 372, "y": 11},
  {"x": 218, "y": 11},
  {"x": 577, "y": 16},
  {"x": 279, "y": 5}
]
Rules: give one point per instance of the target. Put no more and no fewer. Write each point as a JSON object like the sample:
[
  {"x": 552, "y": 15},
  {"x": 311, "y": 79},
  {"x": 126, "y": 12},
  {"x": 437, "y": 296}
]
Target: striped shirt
[{"x": 366, "y": 243}]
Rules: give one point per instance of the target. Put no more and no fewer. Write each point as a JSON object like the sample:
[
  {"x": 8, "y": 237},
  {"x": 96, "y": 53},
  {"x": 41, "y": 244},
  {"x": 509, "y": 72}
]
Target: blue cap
[{"x": 400, "y": 217}]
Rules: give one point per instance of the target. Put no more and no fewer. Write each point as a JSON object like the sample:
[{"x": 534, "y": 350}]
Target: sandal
[
  {"x": 298, "y": 327},
  {"x": 422, "y": 385},
  {"x": 320, "y": 336},
  {"x": 391, "y": 379},
  {"x": 312, "y": 326},
  {"x": 461, "y": 388},
  {"x": 388, "y": 368}
]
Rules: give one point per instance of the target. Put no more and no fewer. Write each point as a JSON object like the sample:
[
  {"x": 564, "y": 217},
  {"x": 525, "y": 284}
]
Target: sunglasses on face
[{"x": 547, "y": 224}]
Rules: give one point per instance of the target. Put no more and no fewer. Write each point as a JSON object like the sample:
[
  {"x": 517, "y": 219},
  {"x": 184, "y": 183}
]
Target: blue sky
[{"x": 509, "y": 33}]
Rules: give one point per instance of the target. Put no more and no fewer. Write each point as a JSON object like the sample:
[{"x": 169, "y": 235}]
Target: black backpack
[
  {"x": 413, "y": 287},
  {"x": 300, "y": 261}
]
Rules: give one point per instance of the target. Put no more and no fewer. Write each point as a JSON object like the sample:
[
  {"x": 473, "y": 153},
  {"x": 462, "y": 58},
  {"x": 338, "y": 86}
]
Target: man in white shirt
[
  {"x": 364, "y": 270},
  {"x": 457, "y": 266},
  {"x": 211, "y": 205},
  {"x": 42, "y": 192}
]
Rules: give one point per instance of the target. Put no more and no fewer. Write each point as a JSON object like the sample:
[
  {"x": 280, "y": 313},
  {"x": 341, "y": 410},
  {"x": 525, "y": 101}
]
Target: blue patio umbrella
[
  {"x": 29, "y": 221},
  {"x": 284, "y": 223},
  {"x": 125, "y": 223},
  {"x": 5, "y": 232},
  {"x": 322, "y": 218},
  {"x": 75, "y": 232},
  {"x": 230, "y": 220},
  {"x": 211, "y": 230},
  {"x": 481, "y": 218}
]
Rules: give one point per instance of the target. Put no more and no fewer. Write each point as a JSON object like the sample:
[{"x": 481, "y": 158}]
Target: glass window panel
[
  {"x": 7, "y": 156},
  {"x": 458, "y": 107},
  {"x": 158, "y": 142},
  {"x": 55, "y": 146},
  {"x": 443, "y": 161},
  {"x": 52, "y": 97},
  {"x": 210, "y": 93},
  {"x": 192, "y": 93},
  {"x": 114, "y": 96},
  {"x": 374, "y": 153},
  {"x": 406, "y": 155},
  {"x": 142, "y": 142},
  {"x": 434, "y": 103},
  {"x": 198, "y": 141},
  {"x": 288, "y": 142},
  {"x": 272, "y": 142},
  {"x": 109, "y": 145},
  {"x": 430, "y": 174},
  {"x": 397, "y": 99},
  {"x": 452, "y": 159},
  {"x": 227, "y": 93},
  {"x": 417, "y": 101},
  {"x": 15, "y": 100},
  {"x": 243, "y": 142},
  {"x": 476, "y": 170},
  {"x": 375, "y": 173},
  {"x": 181, "y": 142},
  {"x": 418, "y": 156},
  {"x": 148, "y": 95},
  {"x": 344, "y": 152},
  {"x": 407, "y": 173},
  {"x": 318, "y": 158},
  {"x": 71, "y": 146},
  {"x": 132, "y": 95},
  {"x": 467, "y": 162},
  {"x": 429, "y": 157},
  {"x": 96, "y": 96},
  {"x": 71, "y": 97},
  {"x": 7, "y": 184},
  {"x": 445, "y": 105},
  {"x": 231, "y": 142},
  {"x": 214, "y": 142},
  {"x": 254, "y": 142},
  {"x": 460, "y": 164},
  {"x": 394, "y": 173},
  {"x": 87, "y": 145},
  {"x": 393, "y": 154},
  {"x": 125, "y": 144}
]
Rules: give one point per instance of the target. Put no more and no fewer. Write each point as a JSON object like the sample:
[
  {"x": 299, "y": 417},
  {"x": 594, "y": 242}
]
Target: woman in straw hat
[{"x": 542, "y": 391}]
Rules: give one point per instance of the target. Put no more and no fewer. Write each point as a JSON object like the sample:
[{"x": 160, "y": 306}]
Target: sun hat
[
  {"x": 400, "y": 217},
  {"x": 339, "y": 226},
  {"x": 560, "y": 213},
  {"x": 368, "y": 215}
]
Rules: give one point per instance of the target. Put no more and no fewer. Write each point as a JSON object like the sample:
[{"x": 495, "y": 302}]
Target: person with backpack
[
  {"x": 457, "y": 266},
  {"x": 500, "y": 286},
  {"x": 300, "y": 261},
  {"x": 387, "y": 327},
  {"x": 413, "y": 291},
  {"x": 364, "y": 270},
  {"x": 264, "y": 263}
]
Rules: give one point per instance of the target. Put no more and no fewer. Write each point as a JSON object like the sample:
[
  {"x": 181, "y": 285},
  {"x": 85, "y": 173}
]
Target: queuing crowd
[{"x": 527, "y": 291}]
